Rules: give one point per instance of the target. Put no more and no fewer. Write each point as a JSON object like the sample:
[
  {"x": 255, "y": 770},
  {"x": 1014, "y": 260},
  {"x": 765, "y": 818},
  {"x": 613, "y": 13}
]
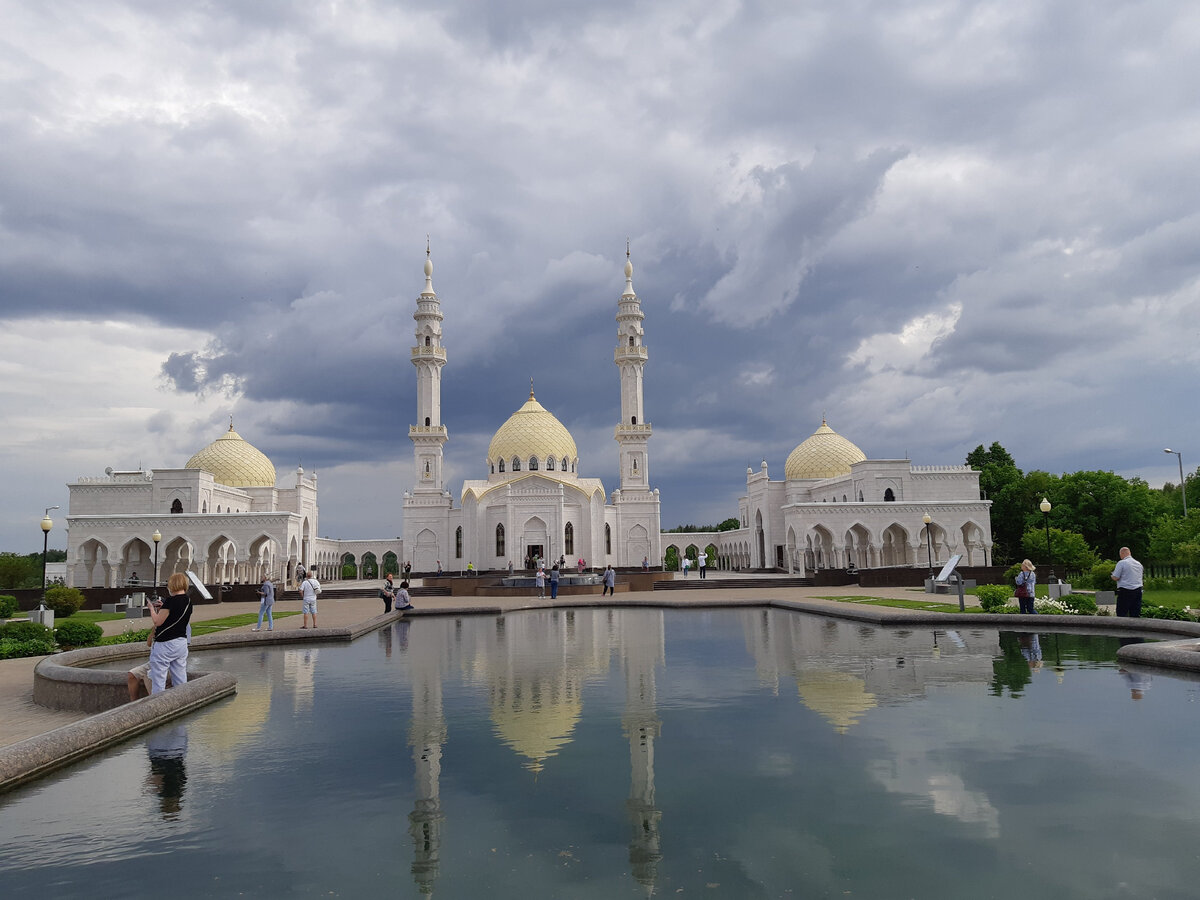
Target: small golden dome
[
  {"x": 234, "y": 462},
  {"x": 532, "y": 431},
  {"x": 824, "y": 455}
]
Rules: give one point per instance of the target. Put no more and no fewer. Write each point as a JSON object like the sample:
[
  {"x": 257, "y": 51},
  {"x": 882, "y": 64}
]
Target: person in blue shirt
[{"x": 1128, "y": 576}]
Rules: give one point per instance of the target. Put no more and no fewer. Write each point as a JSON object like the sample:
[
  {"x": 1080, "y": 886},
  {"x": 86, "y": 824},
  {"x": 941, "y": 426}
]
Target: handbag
[{"x": 1022, "y": 591}]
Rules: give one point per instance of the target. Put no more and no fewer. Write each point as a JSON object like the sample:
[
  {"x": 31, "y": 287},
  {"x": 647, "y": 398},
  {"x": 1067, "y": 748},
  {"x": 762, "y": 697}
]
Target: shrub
[
  {"x": 1150, "y": 611},
  {"x": 1102, "y": 575},
  {"x": 1080, "y": 604},
  {"x": 127, "y": 637},
  {"x": 1011, "y": 573},
  {"x": 78, "y": 634},
  {"x": 1048, "y": 607},
  {"x": 65, "y": 601},
  {"x": 1157, "y": 584},
  {"x": 992, "y": 597},
  {"x": 21, "y": 649},
  {"x": 26, "y": 631},
  {"x": 8, "y": 606}
]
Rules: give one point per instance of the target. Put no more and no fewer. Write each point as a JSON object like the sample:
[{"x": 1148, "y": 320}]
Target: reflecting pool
[{"x": 622, "y": 753}]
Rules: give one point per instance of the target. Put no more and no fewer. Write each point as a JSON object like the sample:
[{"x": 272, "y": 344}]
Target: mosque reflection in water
[
  {"x": 632, "y": 750},
  {"x": 534, "y": 667}
]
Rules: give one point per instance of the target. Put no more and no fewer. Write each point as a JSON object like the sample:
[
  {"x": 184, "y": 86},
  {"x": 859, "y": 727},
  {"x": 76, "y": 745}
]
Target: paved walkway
[{"x": 21, "y": 718}]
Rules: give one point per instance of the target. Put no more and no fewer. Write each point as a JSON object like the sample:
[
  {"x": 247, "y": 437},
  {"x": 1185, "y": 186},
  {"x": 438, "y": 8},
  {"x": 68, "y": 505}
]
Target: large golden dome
[
  {"x": 824, "y": 455},
  {"x": 234, "y": 462},
  {"x": 532, "y": 431}
]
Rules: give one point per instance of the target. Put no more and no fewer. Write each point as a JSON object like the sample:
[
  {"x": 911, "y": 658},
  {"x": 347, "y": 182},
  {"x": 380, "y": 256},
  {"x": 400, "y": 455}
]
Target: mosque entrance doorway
[{"x": 535, "y": 553}]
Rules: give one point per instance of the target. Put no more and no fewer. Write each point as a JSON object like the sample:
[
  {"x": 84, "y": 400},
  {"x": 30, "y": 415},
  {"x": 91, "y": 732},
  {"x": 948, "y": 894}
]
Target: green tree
[
  {"x": 1168, "y": 533},
  {"x": 731, "y": 524},
  {"x": 671, "y": 559},
  {"x": 1109, "y": 511},
  {"x": 18, "y": 572},
  {"x": 1069, "y": 549},
  {"x": 1003, "y": 483}
]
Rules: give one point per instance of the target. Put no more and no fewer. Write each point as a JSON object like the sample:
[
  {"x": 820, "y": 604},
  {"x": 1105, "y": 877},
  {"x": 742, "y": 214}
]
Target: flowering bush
[
  {"x": 992, "y": 597},
  {"x": 1049, "y": 607}
]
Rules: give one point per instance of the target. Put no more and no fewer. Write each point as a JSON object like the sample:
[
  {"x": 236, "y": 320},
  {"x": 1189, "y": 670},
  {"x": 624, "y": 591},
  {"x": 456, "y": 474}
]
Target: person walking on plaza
[
  {"x": 702, "y": 561},
  {"x": 554, "y": 582},
  {"x": 387, "y": 593},
  {"x": 610, "y": 581},
  {"x": 1026, "y": 581},
  {"x": 267, "y": 602},
  {"x": 309, "y": 588},
  {"x": 170, "y": 651},
  {"x": 645, "y": 564},
  {"x": 539, "y": 581},
  {"x": 1128, "y": 576}
]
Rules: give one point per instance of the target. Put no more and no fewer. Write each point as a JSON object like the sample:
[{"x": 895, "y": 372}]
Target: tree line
[
  {"x": 17, "y": 571},
  {"x": 1093, "y": 514}
]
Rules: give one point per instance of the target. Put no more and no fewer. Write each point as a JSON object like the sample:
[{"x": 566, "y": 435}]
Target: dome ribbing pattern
[
  {"x": 234, "y": 462},
  {"x": 825, "y": 454}
]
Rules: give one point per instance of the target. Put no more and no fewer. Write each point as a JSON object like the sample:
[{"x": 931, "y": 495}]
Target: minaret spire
[{"x": 428, "y": 357}]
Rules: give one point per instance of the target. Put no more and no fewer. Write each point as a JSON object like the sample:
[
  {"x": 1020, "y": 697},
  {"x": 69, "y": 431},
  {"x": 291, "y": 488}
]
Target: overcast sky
[{"x": 940, "y": 224}]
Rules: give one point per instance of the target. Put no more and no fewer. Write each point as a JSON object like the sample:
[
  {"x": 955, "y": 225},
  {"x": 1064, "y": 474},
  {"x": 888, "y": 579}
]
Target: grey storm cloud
[{"x": 887, "y": 212}]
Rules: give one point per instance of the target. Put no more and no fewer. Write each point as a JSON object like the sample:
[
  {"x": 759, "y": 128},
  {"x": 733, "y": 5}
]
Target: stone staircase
[
  {"x": 749, "y": 582},
  {"x": 367, "y": 589}
]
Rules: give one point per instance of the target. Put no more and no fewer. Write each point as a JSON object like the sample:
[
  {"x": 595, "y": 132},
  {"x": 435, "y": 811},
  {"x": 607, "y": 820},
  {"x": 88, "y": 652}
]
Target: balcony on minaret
[
  {"x": 431, "y": 353},
  {"x": 436, "y": 431},
  {"x": 629, "y": 431},
  {"x": 625, "y": 354}
]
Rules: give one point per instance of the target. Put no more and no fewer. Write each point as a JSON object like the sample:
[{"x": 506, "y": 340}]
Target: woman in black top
[{"x": 170, "y": 650}]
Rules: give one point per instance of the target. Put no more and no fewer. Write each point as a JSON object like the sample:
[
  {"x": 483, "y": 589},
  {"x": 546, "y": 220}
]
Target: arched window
[
  {"x": 607, "y": 538},
  {"x": 860, "y": 497},
  {"x": 516, "y": 464},
  {"x": 426, "y": 467},
  {"x": 633, "y": 420},
  {"x": 502, "y": 466},
  {"x": 492, "y": 469},
  {"x": 549, "y": 463},
  {"x": 176, "y": 507},
  {"x": 458, "y": 542},
  {"x": 533, "y": 464},
  {"x": 889, "y": 496},
  {"x": 203, "y": 509},
  {"x": 843, "y": 498},
  {"x": 427, "y": 423},
  {"x": 499, "y": 540},
  {"x": 635, "y": 465},
  {"x": 569, "y": 540},
  {"x": 564, "y": 464},
  {"x": 426, "y": 340},
  {"x": 181, "y": 506},
  {"x": 572, "y": 465},
  {"x": 631, "y": 340}
]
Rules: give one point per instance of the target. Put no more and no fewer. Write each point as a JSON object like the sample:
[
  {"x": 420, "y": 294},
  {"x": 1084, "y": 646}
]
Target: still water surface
[{"x": 602, "y": 754}]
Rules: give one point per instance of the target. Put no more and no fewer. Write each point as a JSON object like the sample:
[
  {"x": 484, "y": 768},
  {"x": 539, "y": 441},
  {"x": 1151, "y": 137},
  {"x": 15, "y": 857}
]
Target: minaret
[
  {"x": 429, "y": 434},
  {"x": 633, "y": 431},
  {"x": 642, "y": 650}
]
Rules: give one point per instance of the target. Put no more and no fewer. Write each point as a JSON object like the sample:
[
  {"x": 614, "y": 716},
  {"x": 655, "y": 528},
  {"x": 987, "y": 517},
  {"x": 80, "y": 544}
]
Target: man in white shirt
[
  {"x": 1128, "y": 576},
  {"x": 309, "y": 588}
]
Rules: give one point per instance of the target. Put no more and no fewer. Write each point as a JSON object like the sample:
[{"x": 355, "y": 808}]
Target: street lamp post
[
  {"x": 47, "y": 524},
  {"x": 156, "y": 537},
  {"x": 927, "y": 519},
  {"x": 1182, "y": 483},
  {"x": 1045, "y": 507}
]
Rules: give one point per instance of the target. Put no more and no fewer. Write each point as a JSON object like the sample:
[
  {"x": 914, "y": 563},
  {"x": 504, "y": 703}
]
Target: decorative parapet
[
  {"x": 627, "y": 354},
  {"x": 427, "y": 430},
  {"x": 434, "y": 353},
  {"x": 940, "y": 470},
  {"x": 132, "y": 478},
  {"x": 643, "y": 430}
]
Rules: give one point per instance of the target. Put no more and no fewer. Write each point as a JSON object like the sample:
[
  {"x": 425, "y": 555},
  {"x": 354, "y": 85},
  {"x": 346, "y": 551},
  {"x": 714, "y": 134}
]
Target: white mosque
[{"x": 223, "y": 515}]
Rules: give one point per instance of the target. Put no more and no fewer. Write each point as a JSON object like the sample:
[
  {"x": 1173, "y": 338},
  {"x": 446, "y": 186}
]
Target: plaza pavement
[{"x": 21, "y": 718}]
